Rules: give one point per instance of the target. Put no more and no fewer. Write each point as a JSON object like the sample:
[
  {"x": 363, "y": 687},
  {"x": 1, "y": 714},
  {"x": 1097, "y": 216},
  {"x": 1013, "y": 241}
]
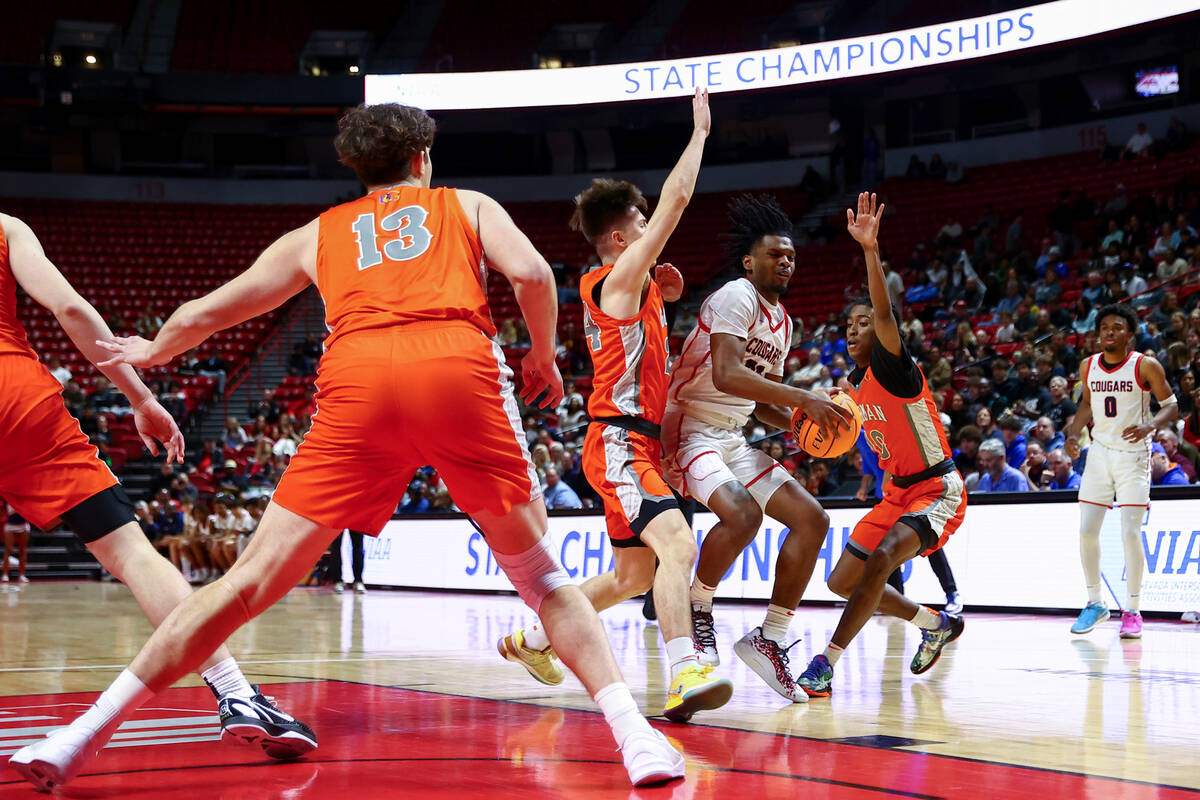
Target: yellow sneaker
[
  {"x": 542, "y": 664},
  {"x": 695, "y": 689}
]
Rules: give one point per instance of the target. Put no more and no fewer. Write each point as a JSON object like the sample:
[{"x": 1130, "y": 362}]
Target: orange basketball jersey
[
  {"x": 899, "y": 417},
  {"x": 400, "y": 255},
  {"x": 629, "y": 356},
  {"x": 13, "y": 341}
]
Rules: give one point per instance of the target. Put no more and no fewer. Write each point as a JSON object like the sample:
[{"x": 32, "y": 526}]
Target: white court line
[
  {"x": 56, "y": 668},
  {"x": 22, "y": 719},
  {"x": 131, "y": 725},
  {"x": 4, "y": 751}
]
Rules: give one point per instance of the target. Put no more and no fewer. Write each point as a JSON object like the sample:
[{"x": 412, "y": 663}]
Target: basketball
[{"x": 816, "y": 441}]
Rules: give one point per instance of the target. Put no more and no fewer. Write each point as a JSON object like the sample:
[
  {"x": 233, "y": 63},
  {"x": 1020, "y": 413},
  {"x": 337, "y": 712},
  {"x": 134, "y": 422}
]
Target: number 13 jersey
[
  {"x": 399, "y": 255},
  {"x": 1119, "y": 400}
]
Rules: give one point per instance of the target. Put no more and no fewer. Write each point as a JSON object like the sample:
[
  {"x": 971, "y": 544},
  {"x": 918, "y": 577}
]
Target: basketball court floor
[{"x": 410, "y": 699}]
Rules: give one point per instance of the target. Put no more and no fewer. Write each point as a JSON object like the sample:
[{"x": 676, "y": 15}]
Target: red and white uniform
[
  {"x": 621, "y": 457},
  {"x": 47, "y": 466},
  {"x": 1116, "y": 469},
  {"x": 410, "y": 375},
  {"x": 703, "y": 445},
  {"x": 902, "y": 427}
]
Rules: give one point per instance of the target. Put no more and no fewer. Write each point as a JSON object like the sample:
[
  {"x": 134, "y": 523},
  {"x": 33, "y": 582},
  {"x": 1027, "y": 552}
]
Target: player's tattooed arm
[
  {"x": 1152, "y": 374},
  {"x": 864, "y": 227}
]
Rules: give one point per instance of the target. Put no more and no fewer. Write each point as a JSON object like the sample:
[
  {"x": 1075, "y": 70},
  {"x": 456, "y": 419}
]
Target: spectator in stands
[
  {"x": 1139, "y": 143},
  {"x": 1172, "y": 266},
  {"x": 102, "y": 435},
  {"x": 1085, "y": 315},
  {"x": 1034, "y": 466},
  {"x": 1013, "y": 237},
  {"x": 950, "y": 232},
  {"x": 1116, "y": 205},
  {"x": 60, "y": 373},
  {"x": 1044, "y": 434},
  {"x": 145, "y": 518},
  {"x": 266, "y": 407},
  {"x": 574, "y": 417},
  {"x": 306, "y": 406},
  {"x": 983, "y": 244},
  {"x": 1012, "y": 298},
  {"x": 168, "y": 516},
  {"x": 916, "y": 170},
  {"x": 183, "y": 490},
  {"x": 228, "y": 477},
  {"x": 522, "y": 332},
  {"x": 939, "y": 372},
  {"x": 414, "y": 499},
  {"x": 105, "y": 398},
  {"x": 834, "y": 345},
  {"x": 1114, "y": 237},
  {"x": 148, "y": 322},
  {"x": 1047, "y": 289},
  {"x": 954, "y": 173},
  {"x": 298, "y": 363},
  {"x": 313, "y": 350},
  {"x": 215, "y": 367},
  {"x": 233, "y": 436},
  {"x": 1182, "y": 228},
  {"x": 1062, "y": 473},
  {"x": 1006, "y": 331},
  {"x": 1011, "y": 432},
  {"x": 507, "y": 334},
  {"x": 967, "y": 453},
  {"x": 1162, "y": 244},
  {"x": 1096, "y": 291},
  {"x": 807, "y": 375},
  {"x": 1164, "y": 471},
  {"x": 1173, "y": 449},
  {"x": 937, "y": 169},
  {"x": 1160, "y": 317},
  {"x": 74, "y": 397},
  {"x": 1057, "y": 406},
  {"x": 820, "y": 479},
  {"x": 288, "y": 439},
  {"x": 558, "y": 494},
  {"x": 996, "y": 474},
  {"x": 895, "y": 285},
  {"x": 1132, "y": 283},
  {"x": 163, "y": 478}
]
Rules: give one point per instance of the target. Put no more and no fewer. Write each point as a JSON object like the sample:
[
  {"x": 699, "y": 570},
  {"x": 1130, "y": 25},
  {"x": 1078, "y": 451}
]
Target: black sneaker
[
  {"x": 648, "y": 610},
  {"x": 256, "y": 720}
]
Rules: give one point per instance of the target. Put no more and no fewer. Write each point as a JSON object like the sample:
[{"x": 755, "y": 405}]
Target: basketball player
[
  {"x": 626, "y": 328},
  {"x": 49, "y": 472},
  {"x": 1116, "y": 398},
  {"x": 923, "y": 500},
  {"x": 409, "y": 361},
  {"x": 732, "y": 366}
]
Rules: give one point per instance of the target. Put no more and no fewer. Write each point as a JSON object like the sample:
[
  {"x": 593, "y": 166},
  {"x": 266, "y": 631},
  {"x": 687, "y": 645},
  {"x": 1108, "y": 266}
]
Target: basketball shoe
[
  {"x": 1091, "y": 616},
  {"x": 932, "y": 642},
  {"x": 650, "y": 759},
  {"x": 704, "y": 635},
  {"x": 256, "y": 720},
  {"x": 1131, "y": 625},
  {"x": 817, "y": 680},
  {"x": 694, "y": 689},
  {"x": 541, "y": 664},
  {"x": 770, "y": 662},
  {"x": 56, "y": 759}
]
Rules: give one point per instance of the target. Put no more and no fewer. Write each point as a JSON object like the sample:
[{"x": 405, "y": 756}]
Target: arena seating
[{"x": 26, "y": 30}]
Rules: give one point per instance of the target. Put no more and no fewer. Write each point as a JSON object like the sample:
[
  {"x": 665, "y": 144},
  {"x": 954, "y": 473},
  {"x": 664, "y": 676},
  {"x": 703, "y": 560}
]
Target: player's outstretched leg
[{"x": 282, "y": 552}]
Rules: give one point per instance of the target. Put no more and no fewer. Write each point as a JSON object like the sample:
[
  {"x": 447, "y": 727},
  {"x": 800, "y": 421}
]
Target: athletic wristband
[{"x": 1168, "y": 401}]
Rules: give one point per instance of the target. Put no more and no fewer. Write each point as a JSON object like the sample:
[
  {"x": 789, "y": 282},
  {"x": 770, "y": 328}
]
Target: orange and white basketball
[{"x": 816, "y": 441}]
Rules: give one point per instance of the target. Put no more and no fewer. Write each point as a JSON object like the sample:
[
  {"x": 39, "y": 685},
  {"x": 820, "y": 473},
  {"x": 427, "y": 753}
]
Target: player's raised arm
[
  {"x": 622, "y": 292},
  {"x": 1083, "y": 415},
  {"x": 864, "y": 227},
  {"x": 509, "y": 251},
  {"x": 38, "y": 276},
  {"x": 1152, "y": 374}
]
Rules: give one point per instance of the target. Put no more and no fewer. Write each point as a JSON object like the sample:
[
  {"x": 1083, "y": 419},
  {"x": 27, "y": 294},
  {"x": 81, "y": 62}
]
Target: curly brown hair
[
  {"x": 378, "y": 142},
  {"x": 601, "y": 206}
]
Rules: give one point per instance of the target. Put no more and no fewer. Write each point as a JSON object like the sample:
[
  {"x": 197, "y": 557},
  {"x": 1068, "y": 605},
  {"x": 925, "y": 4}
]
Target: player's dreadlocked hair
[
  {"x": 599, "y": 207},
  {"x": 751, "y": 217}
]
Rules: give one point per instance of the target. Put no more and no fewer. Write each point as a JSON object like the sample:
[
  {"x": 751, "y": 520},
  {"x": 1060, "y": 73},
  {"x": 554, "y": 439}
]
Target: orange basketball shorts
[
  {"x": 625, "y": 469},
  {"x": 934, "y": 508},
  {"x": 47, "y": 466},
  {"x": 395, "y": 399}
]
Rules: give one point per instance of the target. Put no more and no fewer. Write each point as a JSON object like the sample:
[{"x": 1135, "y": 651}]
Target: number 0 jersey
[
  {"x": 1118, "y": 400},
  {"x": 400, "y": 255},
  {"x": 899, "y": 418},
  {"x": 629, "y": 356},
  {"x": 737, "y": 309}
]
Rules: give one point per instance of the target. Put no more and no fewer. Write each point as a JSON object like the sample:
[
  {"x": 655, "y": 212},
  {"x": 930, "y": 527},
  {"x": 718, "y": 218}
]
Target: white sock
[
  {"x": 535, "y": 637},
  {"x": 620, "y": 712},
  {"x": 702, "y": 593},
  {"x": 927, "y": 619},
  {"x": 117, "y": 702},
  {"x": 682, "y": 654},
  {"x": 832, "y": 653},
  {"x": 1091, "y": 517},
  {"x": 1135, "y": 555},
  {"x": 775, "y": 626},
  {"x": 225, "y": 677}
]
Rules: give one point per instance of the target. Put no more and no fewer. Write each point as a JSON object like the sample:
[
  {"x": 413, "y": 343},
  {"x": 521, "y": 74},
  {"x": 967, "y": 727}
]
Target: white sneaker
[
  {"x": 4, "y": 576},
  {"x": 360, "y": 587},
  {"x": 23, "y": 579},
  {"x": 56, "y": 759},
  {"x": 770, "y": 662},
  {"x": 704, "y": 635},
  {"x": 651, "y": 759}
]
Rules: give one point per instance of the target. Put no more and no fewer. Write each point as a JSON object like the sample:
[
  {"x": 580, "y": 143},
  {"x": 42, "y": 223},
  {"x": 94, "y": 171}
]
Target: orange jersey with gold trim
[
  {"x": 400, "y": 255},
  {"x": 629, "y": 356},
  {"x": 13, "y": 341}
]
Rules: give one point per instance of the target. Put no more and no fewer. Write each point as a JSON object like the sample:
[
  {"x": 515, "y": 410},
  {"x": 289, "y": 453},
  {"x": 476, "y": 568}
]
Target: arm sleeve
[
  {"x": 899, "y": 375},
  {"x": 730, "y": 310}
]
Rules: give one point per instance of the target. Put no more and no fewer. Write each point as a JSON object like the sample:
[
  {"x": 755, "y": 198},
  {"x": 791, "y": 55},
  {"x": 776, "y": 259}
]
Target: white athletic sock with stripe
[
  {"x": 535, "y": 637},
  {"x": 775, "y": 626},
  {"x": 225, "y": 677},
  {"x": 681, "y": 652},
  {"x": 620, "y": 711},
  {"x": 833, "y": 653},
  {"x": 702, "y": 593},
  {"x": 927, "y": 619}
]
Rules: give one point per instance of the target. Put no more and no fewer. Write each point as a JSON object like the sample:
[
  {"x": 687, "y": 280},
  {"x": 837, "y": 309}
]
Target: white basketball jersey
[
  {"x": 738, "y": 309},
  {"x": 1118, "y": 401}
]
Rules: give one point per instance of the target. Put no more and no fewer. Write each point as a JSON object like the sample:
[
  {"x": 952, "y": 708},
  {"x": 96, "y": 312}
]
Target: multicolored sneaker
[
  {"x": 541, "y": 664},
  {"x": 770, "y": 662},
  {"x": 932, "y": 642},
  {"x": 258, "y": 721},
  {"x": 704, "y": 635},
  {"x": 1091, "y": 616},
  {"x": 817, "y": 680},
  {"x": 1131, "y": 625},
  {"x": 694, "y": 689}
]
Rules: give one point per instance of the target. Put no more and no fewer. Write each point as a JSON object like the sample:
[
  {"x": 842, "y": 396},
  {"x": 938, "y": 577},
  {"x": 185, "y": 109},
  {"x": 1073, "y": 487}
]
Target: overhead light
[
  {"x": 354, "y": 69},
  {"x": 89, "y": 59},
  {"x": 550, "y": 62},
  {"x": 56, "y": 59}
]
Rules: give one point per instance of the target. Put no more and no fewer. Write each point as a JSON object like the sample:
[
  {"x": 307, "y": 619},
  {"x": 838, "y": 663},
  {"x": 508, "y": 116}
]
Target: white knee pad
[{"x": 534, "y": 573}]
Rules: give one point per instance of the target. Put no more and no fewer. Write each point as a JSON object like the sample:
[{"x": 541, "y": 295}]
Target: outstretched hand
[
  {"x": 132, "y": 350},
  {"x": 865, "y": 226},
  {"x": 701, "y": 118}
]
